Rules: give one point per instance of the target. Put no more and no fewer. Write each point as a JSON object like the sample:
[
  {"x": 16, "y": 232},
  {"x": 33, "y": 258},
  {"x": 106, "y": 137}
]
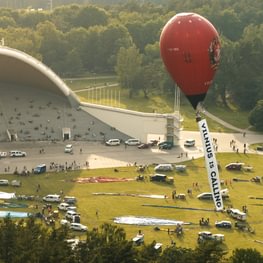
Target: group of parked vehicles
[
  {"x": 67, "y": 205},
  {"x": 165, "y": 145}
]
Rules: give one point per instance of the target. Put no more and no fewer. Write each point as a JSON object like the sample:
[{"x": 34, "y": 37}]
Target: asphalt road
[{"x": 98, "y": 155}]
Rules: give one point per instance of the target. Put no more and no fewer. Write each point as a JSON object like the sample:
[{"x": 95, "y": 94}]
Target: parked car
[
  {"x": 189, "y": 143},
  {"x": 165, "y": 167},
  {"x": 78, "y": 227},
  {"x": 162, "y": 178},
  {"x": 17, "y": 154},
  {"x": 165, "y": 145},
  {"x": 143, "y": 146},
  {"x": 237, "y": 214},
  {"x": 16, "y": 183},
  {"x": 133, "y": 142},
  {"x": 70, "y": 214},
  {"x": 41, "y": 168},
  {"x": 180, "y": 168},
  {"x": 4, "y": 182},
  {"x": 234, "y": 166},
  {"x": 113, "y": 142},
  {"x": 207, "y": 235},
  {"x": 158, "y": 177},
  {"x": 52, "y": 198},
  {"x": 3, "y": 154},
  {"x": 223, "y": 224},
  {"x": 68, "y": 148},
  {"x": 209, "y": 196},
  {"x": 70, "y": 200},
  {"x": 259, "y": 148},
  {"x": 63, "y": 206}
]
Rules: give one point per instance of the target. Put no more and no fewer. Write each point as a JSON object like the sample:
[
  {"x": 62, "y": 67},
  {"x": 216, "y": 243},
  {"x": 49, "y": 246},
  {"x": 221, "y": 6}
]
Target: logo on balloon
[{"x": 214, "y": 53}]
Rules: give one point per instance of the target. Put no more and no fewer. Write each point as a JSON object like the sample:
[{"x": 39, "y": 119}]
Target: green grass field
[{"x": 109, "y": 207}]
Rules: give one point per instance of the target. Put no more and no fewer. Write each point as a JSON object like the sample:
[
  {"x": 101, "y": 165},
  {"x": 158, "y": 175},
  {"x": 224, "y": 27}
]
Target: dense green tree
[
  {"x": 111, "y": 39},
  {"x": 128, "y": 68},
  {"x": 30, "y": 19},
  {"x": 91, "y": 16},
  {"x": 6, "y": 21},
  {"x": 248, "y": 255},
  {"x": 177, "y": 255},
  {"x": 64, "y": 17},
  {"x": 247, "y": 88},
  {"x": 102, "y": 242},
  {"x": 211, "y": 251},
  {"x": 256, "y": 116},
  {"x": 53, "y": 46}
]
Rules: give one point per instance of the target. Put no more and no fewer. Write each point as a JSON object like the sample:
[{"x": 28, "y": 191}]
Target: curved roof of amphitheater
[{"x": 18, "y": 68}]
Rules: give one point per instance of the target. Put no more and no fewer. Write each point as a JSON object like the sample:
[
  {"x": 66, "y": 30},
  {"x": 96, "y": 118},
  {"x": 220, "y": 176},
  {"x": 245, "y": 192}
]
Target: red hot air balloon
[{"x": 190, "y": 50}]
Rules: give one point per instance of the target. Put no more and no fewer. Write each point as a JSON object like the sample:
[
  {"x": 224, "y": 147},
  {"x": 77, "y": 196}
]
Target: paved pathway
[{"x": 98, "y": 155}]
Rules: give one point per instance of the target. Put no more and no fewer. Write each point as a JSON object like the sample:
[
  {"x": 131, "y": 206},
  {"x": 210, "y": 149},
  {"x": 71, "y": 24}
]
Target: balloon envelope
[{"x": 190, "y": 50}]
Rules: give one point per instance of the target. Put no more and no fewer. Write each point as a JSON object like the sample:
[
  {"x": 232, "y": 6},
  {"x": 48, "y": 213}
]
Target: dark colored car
[
  {"x": 259, "y": 148},
  {"x": 158, "y": 178},
  {"x": 143, "y": 146},
  {"x": 165, "y": 145},
  {"x": 234, "y": 166},
  {"x": 223, "y": 224}
]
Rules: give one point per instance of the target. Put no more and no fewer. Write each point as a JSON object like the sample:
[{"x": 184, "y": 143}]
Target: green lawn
[{"x": 113, "y": 206}]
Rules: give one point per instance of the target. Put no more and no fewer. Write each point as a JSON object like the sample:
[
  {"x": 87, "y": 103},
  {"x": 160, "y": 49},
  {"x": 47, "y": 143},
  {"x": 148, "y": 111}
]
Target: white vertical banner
[{"x": 211, "y": 165}]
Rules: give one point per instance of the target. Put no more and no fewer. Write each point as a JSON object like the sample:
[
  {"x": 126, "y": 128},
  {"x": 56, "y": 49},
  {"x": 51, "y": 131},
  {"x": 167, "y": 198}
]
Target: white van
[
  {"x": 52, "y": 198},
  {"x": 68, "y": 148},
  {"x": 237, "y": 214},
  {"x": 113, "y": 142},
  {"x": 17, "y": 154},
  {"x": 165, "y": 167},
  {"x": 132, "y": 142}
]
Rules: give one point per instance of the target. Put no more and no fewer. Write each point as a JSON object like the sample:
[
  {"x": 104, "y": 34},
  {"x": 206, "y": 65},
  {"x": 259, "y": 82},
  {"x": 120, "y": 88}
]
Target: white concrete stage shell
[
  {"x": 20, "y": 69},
  {"x": 17, "y": 67}
]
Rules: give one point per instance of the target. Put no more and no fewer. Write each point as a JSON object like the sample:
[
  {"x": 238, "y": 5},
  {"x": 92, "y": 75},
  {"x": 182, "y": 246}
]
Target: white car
[
  {"x": 113, "y": 142},
  {"x": 133, "y": 142},
  {"x": 3, "y": 154},
  {"x": 17, "y": 154},
  {"x": 52, "y": 198},
  {"x": 78, "y": 227},
  {"x": 63, "y": 206},
  {"x": 4, "y": 182},
  {"x": 68, "y": 148},
  {"x": 189, "y": 143},
  {"x": 70, "y": 214}
]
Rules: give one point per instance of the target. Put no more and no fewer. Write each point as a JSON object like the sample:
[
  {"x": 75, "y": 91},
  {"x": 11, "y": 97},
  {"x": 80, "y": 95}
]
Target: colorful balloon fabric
[{"x": 190, "y": 50}]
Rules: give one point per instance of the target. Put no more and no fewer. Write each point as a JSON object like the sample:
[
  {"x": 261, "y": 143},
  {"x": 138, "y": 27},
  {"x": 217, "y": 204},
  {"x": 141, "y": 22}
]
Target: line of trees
[
  {"x": 124, "y": 38},
  {"x": 27, "y": 241}
]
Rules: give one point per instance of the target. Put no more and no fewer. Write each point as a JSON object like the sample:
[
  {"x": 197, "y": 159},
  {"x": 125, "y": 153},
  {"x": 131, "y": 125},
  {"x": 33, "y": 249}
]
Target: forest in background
[{"x": 76, "y": 40}]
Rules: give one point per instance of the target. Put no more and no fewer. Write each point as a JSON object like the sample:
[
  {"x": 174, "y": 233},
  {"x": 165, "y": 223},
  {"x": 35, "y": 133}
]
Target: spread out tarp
[
  {"x": 12, "y": 205},
  {"x": 101, "y": 179},
  {"x": 147, "y": 221},
  {"x": 4, "y": 195},
  {"x": 133, "y": 195},
  {"x": 179, "y": 207},
  {"x": 13, "y": 214}
]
